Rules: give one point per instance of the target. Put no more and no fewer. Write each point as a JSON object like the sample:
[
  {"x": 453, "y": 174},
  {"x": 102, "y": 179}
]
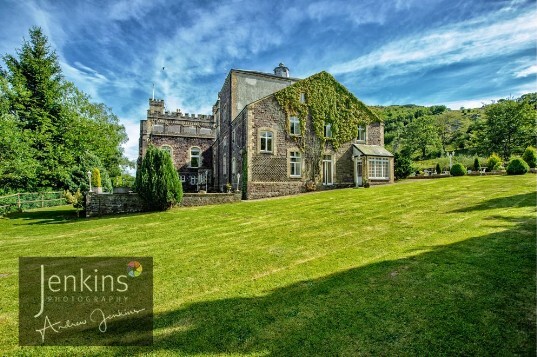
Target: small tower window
[{"x": 195, "y": 157}]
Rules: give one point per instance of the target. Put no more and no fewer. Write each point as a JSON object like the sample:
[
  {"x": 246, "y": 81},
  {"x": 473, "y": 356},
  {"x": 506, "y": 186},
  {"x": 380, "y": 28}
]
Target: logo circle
[{"x": 134, "y": 269}]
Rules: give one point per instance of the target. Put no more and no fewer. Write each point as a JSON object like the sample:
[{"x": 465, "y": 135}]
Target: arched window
[
  {"x": 195, "y": 157},
  {"x": 168, "y": 149}
]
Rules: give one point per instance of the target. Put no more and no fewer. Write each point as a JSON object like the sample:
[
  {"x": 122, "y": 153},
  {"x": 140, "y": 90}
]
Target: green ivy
[{"x": 327, "y": 101}]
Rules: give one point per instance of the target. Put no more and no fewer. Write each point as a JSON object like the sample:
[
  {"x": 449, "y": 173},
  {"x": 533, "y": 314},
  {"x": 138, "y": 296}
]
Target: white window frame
[
  {"x": 378, "y": 168},
  {"x": 302, "y": 97},
  {"x": 294, "y": 126},
  {"x": 193, "y": 180},
  {"x": 183, "y": 178},
  {"x": 327, "y": 130},
  {"x": 295, "y": 164},
  {"x": 198, "y": 156},
  {"x": 362, "y": 131},
  {"x": 264, "y": 136}
]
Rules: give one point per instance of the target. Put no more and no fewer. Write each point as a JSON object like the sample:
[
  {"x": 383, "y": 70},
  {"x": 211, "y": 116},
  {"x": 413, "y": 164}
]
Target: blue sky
[{"x": 456, "y": 53}]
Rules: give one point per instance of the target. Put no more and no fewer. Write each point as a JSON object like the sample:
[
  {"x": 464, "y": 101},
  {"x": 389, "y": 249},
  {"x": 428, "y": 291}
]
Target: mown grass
[{"x": 430, "y": 267}]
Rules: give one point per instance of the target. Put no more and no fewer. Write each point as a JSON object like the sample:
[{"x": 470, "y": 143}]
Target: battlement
[{"x": 156, "y": 108}]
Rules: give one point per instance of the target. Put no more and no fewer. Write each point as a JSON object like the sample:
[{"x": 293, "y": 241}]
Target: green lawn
[{"x": 428, "y": 267}]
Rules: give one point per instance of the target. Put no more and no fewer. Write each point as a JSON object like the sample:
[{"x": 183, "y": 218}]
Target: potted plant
[
  {"x": 96, "y": 181},
  {"x": 366, "y": 184},
  {"x": 228, "y": 187},
  {"x": 119, "y": 186}
]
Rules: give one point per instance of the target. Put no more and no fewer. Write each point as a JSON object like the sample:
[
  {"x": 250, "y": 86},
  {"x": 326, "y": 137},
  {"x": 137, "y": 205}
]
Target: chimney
[{"x": 281, "y": 71}]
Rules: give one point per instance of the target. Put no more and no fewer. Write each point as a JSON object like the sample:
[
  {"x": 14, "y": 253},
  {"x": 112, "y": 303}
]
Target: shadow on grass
[
  {"x": 521, "y": 200},
  {"x": 475, "y": 297},
  {"x": 56, "y": 216}
]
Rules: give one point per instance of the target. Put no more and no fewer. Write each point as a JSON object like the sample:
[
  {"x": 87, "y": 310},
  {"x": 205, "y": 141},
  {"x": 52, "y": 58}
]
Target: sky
[{"x": 425, "y": 52}]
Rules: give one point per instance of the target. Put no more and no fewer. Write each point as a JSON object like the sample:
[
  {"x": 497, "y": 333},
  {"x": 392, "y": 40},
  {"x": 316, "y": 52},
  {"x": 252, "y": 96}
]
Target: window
[
  {"x": 302, "y": 97},
  {"x": 327, "y": 130},
  {"x": 266, "y": 141},
  {"x": 183, "y": 178},
  {"x": 233, "y": 166},
  {"x": 295, "y": 162},
  {"x": 195, "y": 157},
  {"x": 328, "y": 170},
  {"x": 167, "y": 148},
  {"x": 193, "y": 180},
  {"x": 361, "y": 133},
  {"x": 294, "y": 126},
  {"x": 379, "y": 168},
  {"x": 224, "y": 166}
]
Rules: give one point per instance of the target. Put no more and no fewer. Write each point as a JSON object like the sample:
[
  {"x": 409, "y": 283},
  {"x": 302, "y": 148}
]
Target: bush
[
  {"x": 498, "y": 167},
  {"x": 476, "y": 164},
  {"x": 402, "y": 165},
  {"x": 96, "y": 177},
  {"x": 530, "y": 156},
  {"x": 458, "y": 170},
  {"x": 492, "y": 161},
  {"x": 517, "y": 166},
  {"x": 438, "y": 169},
  {"x": 157, "y": 181}
]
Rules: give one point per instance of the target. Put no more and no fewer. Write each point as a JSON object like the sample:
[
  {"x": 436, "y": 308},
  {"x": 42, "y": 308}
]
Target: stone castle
[{"x": 249, "y": 143}]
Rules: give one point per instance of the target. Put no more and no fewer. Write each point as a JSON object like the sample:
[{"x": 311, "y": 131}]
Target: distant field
[{"x": 429, "y": 267}]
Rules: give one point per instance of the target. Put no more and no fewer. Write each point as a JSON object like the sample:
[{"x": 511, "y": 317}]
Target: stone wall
[
  {"x": 203, "y": 199},
  {"x": 274, "y": 189},
  {"x": 107, "y": 204},
  {"x": 375, "y": 134}
]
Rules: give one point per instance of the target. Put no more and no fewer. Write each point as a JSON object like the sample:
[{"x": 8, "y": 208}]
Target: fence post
[{"x": 19, "y": 201}]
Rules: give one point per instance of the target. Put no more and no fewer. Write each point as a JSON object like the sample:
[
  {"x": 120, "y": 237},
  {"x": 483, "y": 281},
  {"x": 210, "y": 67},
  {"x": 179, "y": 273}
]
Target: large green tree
[
  {"x": 421, "y": 135},
  {"x": 510, "y": 126},
  {"x": 54, "y": 122}
]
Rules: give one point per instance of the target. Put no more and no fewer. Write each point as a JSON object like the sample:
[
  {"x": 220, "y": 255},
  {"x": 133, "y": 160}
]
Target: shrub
[
  {"x": 476, "y": 164},
  {"x": 157, "y": 181},
  {"x": 76, "y": 199},
  {"x": 492, "y": 161},
  {"x": 498, "y": 167},
  {"x": 402, "y": 165},
  {"x": 517, "y": 166},
  {"x": 438, "y": 169},
  {"x": 530, "y": 156},
  {"x": 96, "y": 177},
  {"x": 458, "y": 170}
]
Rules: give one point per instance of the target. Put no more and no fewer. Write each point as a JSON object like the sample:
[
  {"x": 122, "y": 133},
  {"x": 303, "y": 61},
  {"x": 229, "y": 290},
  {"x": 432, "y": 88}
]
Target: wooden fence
[{"x": 27, "y": 200}]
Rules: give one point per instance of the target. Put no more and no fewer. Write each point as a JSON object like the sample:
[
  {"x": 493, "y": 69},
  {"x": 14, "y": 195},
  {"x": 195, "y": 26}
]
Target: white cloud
[
  {"x": 528, "y": 71},
  {"x": 471, "y": 40}
]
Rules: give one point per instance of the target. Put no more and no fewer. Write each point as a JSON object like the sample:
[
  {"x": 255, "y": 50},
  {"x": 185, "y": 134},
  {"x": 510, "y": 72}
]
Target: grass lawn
[{"x": 428, "y": 267}]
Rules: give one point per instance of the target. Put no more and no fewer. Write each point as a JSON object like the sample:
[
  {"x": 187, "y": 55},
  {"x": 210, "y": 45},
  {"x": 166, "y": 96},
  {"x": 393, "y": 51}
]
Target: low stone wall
[
  {"x": 274, "y": 189},
  {"x": 203, "y": 199},
  {"x": 106, "y": 204}
]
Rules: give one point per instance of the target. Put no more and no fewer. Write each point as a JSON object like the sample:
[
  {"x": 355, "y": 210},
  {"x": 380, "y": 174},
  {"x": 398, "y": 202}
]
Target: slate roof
[{"x": 372, "y": 150}]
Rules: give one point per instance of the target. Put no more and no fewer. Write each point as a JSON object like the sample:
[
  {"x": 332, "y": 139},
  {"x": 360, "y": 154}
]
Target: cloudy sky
[{"x": 456, "y": 53}]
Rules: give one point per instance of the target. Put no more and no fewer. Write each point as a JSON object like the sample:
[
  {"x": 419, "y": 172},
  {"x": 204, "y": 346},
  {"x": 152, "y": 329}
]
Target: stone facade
[
  {"x": 231, "y": 138},
  {"x": 204, "y": 199},
  {"x": 180, "y": 134}
]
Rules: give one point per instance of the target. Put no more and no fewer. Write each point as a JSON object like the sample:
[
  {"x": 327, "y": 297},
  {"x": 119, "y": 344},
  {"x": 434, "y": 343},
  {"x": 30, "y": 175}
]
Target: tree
[
  {"x": 449, "y": 125},
  {"x": 157, "y": 181},
  {"x": 402, "y": 165},
  {"x": 530, "y": 156},
  {"x": 421, "y": 135},
  {"x": 58, "y": 126},
  {"x": 510, "y": 126}
]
